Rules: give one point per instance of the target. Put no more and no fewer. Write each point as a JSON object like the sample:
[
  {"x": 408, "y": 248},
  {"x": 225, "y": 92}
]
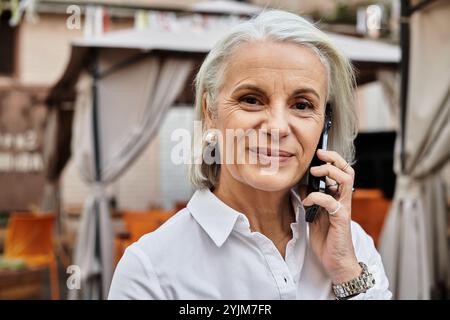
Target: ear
[{"x": 206, "y": 113}]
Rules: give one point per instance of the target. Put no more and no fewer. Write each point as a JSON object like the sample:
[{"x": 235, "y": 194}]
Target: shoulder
[
  {"x": 177, "y": 235},
  {"x": 138, "y": 273},
  {"x": 182, "y": 220}
]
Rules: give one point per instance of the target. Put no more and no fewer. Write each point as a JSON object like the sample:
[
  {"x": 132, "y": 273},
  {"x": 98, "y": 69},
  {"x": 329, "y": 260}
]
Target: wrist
[
  {"x": 355, "y": 286},
  {"x": 346, "y": 274}
]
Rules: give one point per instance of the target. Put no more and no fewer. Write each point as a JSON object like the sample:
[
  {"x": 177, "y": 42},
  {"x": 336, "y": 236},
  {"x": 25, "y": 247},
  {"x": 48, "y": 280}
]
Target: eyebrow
[{"x": 296, "y": 92}]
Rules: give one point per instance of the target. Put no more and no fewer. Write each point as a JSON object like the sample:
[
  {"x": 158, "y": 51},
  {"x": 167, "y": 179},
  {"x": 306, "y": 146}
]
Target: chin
[{"x": 282, "y": 179}]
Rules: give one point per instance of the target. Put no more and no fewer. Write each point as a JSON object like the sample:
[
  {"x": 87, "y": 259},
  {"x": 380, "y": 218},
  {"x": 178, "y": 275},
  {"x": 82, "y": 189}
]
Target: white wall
[
  {"x": 44, "y": 49},
  {"x": 374, "y": 113},
  {"x": 174, "y": 183}
]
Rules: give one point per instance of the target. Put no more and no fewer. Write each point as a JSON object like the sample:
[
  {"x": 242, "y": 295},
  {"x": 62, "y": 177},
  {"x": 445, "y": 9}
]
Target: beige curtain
[
  {"x": 390, "y": 83},
  {"x": 132, "y": 103},
  {"x": 414, "y": 239}
]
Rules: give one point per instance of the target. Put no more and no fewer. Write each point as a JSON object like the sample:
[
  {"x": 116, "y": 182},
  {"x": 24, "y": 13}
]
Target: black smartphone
[{"x": 318, "y": 184}]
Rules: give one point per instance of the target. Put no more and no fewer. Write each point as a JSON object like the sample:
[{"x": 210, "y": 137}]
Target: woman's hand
[{"x": 330, "y": 234}]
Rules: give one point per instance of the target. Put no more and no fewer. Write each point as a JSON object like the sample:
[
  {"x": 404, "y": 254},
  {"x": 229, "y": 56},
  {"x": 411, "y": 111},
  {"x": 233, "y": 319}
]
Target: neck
[{"x": 268, "y": 212}]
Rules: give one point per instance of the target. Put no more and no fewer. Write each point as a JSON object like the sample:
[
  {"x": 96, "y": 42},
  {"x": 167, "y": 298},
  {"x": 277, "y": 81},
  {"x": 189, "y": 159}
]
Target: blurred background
[{"x": 91, "y": 93}]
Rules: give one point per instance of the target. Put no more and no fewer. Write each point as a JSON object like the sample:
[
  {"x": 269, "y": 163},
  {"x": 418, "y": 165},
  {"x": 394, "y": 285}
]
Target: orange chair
[
  {"x": 30, "y": 237},
  {"x": 139, "y": 223},
  {"x": 180, "y": 205},
  {"x": 369, "y": 209}
]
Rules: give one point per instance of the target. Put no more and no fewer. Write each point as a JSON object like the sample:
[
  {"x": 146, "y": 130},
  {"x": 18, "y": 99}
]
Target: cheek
[
  {"x": 239, "y": 125},
  {"x": 232, "y": 117},
  {"x": 308, "y": 136}
]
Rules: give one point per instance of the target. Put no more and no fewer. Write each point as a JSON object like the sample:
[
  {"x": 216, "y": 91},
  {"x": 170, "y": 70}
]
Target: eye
[
  {"x": 249, "y": 100},
  {"x": 302, "y": 105}
]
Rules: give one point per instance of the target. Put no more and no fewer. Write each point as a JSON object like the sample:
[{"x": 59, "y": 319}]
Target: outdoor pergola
[{"x": 117, "y": 88}]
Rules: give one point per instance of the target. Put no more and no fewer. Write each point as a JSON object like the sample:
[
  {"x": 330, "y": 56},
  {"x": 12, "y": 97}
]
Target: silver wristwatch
[{"x": 351, "y": 288}]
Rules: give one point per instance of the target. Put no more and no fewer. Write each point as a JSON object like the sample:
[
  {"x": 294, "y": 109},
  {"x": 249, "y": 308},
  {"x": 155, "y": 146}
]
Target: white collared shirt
[{"x": 207, "y": 251}]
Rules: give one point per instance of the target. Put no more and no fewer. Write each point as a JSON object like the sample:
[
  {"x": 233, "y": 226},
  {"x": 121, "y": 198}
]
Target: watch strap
[{"x": 358, "y": 285}]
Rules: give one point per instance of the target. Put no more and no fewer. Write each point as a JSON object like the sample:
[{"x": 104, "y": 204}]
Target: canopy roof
[
  {"x": 219, "y": 7},
  {"x": 191, "y": 39}
]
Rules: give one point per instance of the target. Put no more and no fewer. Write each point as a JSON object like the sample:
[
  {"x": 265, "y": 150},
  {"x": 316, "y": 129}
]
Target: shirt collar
[{"x": 218, "y": 219}]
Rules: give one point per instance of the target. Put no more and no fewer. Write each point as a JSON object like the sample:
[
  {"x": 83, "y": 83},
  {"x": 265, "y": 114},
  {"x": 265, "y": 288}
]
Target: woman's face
[{"x": 278, "y": 91}]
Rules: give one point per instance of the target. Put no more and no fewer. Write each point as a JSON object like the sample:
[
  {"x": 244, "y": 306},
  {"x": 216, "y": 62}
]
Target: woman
[{"x": 243, "y": 234}]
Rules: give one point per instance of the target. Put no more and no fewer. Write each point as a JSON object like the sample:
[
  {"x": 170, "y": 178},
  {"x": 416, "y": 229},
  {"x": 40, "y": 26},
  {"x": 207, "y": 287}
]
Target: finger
[
  {"x": 345, "y": 181},
  {"x": 329, "y": 204},
  {"x": 331, "y": 185},
  {"x": 328, "y": 170},
  {"x": 330, "y": 182},
  {"x": 321, "y": 199},
  {"x": 336, "y": 159}
]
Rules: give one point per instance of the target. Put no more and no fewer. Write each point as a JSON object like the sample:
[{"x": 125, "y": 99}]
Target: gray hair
[{"x": 279, "y": 26}]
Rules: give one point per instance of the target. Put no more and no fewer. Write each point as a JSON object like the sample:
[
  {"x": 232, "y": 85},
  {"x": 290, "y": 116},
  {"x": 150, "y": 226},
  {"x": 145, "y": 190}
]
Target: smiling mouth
[{"x": 271, "y": 153}]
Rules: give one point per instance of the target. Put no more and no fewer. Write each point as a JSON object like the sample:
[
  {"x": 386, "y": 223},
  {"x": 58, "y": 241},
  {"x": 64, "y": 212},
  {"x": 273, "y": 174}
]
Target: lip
[
  {"x": 283, "y": 158},
  {"x": 276, "y": 153}
]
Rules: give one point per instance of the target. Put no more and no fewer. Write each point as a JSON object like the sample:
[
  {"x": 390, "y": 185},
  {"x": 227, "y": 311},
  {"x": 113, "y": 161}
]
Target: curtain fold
[
  {"x": 132, "y": 103},
  {"x": 414, "y": 239}
]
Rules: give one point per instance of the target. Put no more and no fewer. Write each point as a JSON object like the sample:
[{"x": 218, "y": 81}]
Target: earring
[{"x": 211, "y": 138}]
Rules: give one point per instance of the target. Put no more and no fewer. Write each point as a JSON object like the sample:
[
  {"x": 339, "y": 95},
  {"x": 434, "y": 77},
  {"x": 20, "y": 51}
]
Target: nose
[{"x": 277, "y": 121}]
